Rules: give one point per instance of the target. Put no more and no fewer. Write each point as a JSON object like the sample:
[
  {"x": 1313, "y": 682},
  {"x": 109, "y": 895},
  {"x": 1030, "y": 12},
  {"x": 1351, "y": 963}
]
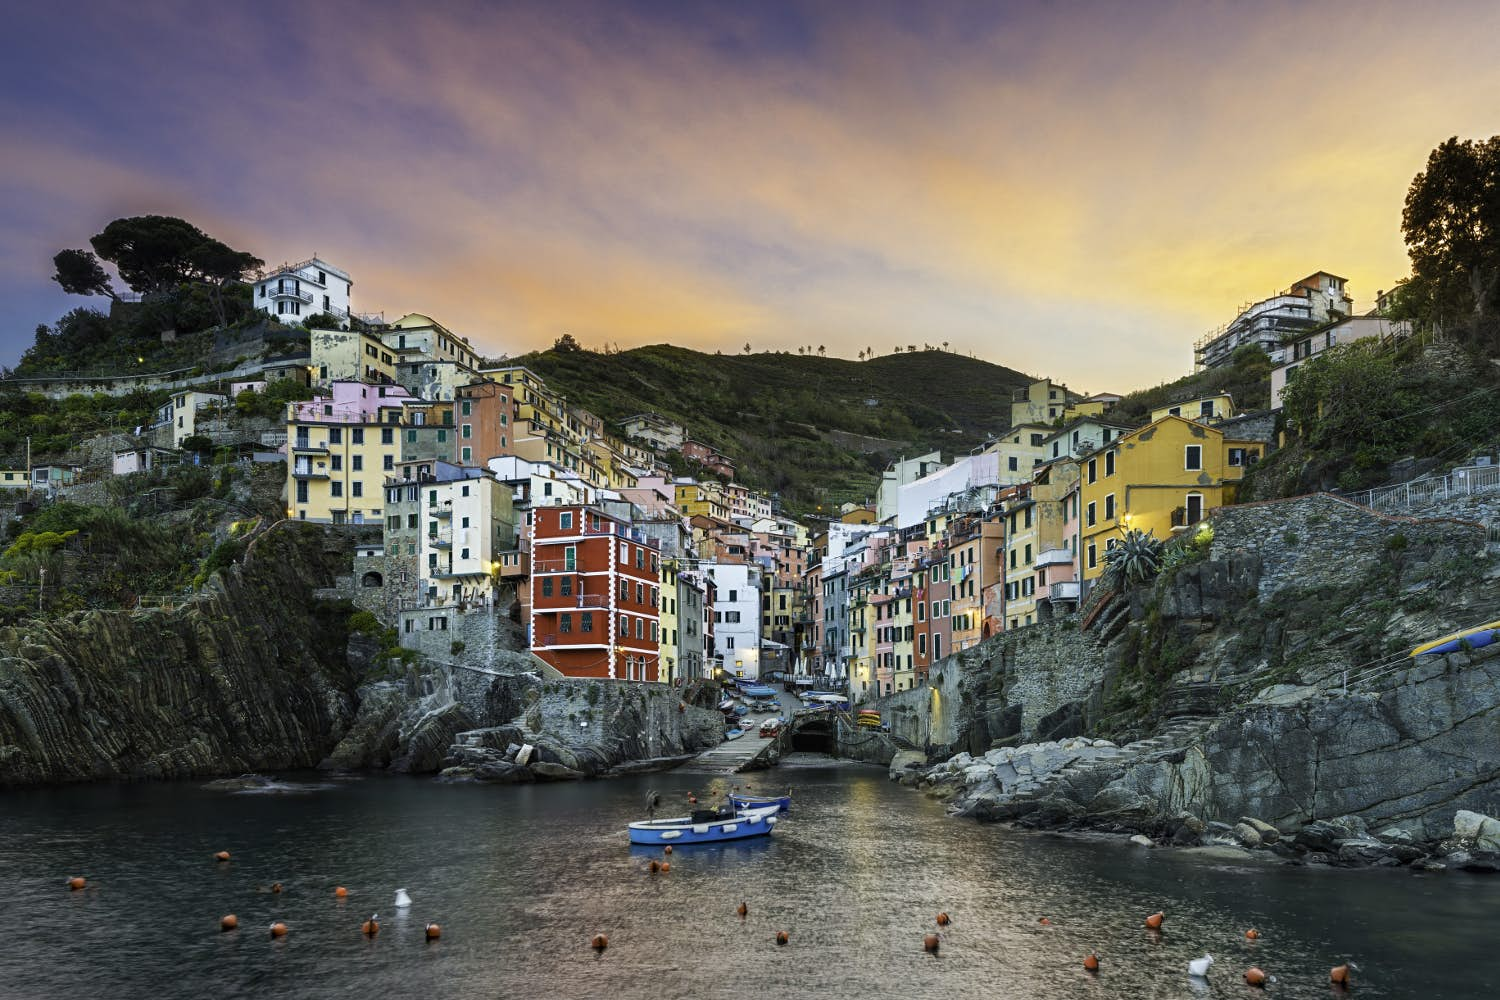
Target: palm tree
[
  {"x": 747, "y": 348},
  {"x": 945, "y": 345},
  {"x": 822, "y": 351}
]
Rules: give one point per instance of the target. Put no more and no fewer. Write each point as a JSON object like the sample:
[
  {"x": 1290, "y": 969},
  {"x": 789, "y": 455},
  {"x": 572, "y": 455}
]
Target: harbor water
[{"x": 520, "y": 879}]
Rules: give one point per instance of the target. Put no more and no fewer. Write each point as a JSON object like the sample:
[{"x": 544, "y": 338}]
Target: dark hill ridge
[{"x": 778, "y": 414}]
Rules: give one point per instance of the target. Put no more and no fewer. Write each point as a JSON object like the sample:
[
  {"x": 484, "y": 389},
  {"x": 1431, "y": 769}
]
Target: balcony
[
  {"x": 1066, "y": 591},
  {"x": 1053, "y": 557},
  {"x": 307, "y": 447},
  {"x": 305, "y": 470},
  {"x": 304, "y": 297},
  {"x": 573, "y": 603},
  {"x": 444, "y": 509},
  {"x": 440, "y": 539},
  {"x": 554, "y": 566}
]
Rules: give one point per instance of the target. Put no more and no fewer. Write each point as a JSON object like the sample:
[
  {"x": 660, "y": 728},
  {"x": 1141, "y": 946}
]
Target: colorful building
[{"x": 340, "y": 448}]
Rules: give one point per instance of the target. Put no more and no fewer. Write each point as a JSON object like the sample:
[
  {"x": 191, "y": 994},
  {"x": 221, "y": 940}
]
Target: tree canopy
[
  {"x": 155, "y": 253},
  {"x": 80, "y": 273},
  {"x": 1451, "y": 223}
]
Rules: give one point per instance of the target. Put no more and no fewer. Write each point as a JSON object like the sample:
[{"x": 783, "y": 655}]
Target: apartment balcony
[
  {"x": 574, "y": 603},
  {"x": 1065, "y": 591},
  {"x": 554, "y": 566},
  {"x": 568, "y": 640},
  {"x": 441, "y": 540},
  {"x": 290, "y": 294},
  {"x": 444, "y": 509},
  {"x": 306, "y": 470},
  {"x": 1053, "y": 557},
  {"x": 305, "y": 447}
]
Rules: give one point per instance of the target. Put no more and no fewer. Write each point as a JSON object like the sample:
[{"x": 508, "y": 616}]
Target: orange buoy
[
  {"x": 1252, "y": 934},
  {"x": 782, "y": 937},
  {"x": 930, "y": 943},
  {"x": 222, "y": 856},
  {"x": 371, "y": 927},
  {"x": 278, "y": 929},
  {"x": 1255, "y": 977},
  {"x": 1154, "y": 921},
  {"x": 228, "y": 922},
  {"x": 275, "y": 886},
  {"x": 666, "y": 866},
  {"x": 943, "y": 919},
  {"x": 1340, "y": 973},
  {"x": 1091, "y": 961},
  {"x": 77, "y": 882},
  {"x": 667, "y": 849},
  {"x": 340, "y": 891},
  {"x": 434, "y": 932},
  {"x": 599, "y": 943},
  {"x": 742, "y": 909},
  {"x": 1044, "y": 922},
  {"x": 655, "y": 866}
]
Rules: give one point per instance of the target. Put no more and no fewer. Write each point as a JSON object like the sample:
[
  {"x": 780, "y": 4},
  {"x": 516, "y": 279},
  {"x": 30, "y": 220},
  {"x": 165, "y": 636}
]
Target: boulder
[
  {"x": 1185, "y": 836},
  {"x": 503, "y": 773},
  {"x": 1358, "y": 852},
  {"x": 1483, "y": 862},
  {"x": 1268, "y": 833},
  {"x": 1247, "y": 835},
  {"x": 1477, "y": 829},
  {"x": 1117, "y": 799},
  {"x": 1323, "y": 835},
  {"x": 548, "y": 771}
]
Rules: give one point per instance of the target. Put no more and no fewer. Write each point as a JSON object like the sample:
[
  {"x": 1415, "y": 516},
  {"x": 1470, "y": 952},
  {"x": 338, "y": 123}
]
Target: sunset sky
[{"x": 1069, "y": 189}]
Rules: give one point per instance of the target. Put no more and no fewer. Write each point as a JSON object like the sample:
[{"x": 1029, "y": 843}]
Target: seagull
[
  {"x": 402, "y": 900},
  {"x": 1198, "y": 967}
]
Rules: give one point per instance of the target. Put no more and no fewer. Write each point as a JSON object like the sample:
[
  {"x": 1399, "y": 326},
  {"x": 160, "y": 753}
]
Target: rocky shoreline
[{"x": 1029, "y": 787}]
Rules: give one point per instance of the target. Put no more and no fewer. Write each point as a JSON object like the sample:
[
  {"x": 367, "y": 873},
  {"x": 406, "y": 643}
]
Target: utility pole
[{"x": 40, "y": 587}]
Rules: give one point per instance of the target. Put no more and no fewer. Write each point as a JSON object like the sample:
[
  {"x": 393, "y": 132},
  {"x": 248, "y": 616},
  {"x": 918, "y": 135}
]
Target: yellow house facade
[
  {"x": 1219, "y": 406},
  {"x": 1158, "y": 479}
]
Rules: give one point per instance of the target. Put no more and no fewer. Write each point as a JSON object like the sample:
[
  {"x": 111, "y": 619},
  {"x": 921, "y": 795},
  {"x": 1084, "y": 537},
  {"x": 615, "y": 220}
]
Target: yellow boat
[{"x": 1480, "y": 635}]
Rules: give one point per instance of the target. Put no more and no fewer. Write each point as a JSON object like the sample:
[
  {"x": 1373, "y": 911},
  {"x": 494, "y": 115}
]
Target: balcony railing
[
  {"x": 1053, "y": 557},
  {"x": 1065, "y": 591},
  {"x": 305, "y": 470},
  {"x": 553, "y": 566},
  {"x": 574, "y": 603},
  {"x": 444, "y": 509},
  {"x": 289, "y": 293}
]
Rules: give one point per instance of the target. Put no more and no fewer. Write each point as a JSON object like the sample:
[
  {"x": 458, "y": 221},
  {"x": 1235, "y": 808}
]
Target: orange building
[
  {"x": 484, "y": 418},
  {"x": 594, "y": 598}
]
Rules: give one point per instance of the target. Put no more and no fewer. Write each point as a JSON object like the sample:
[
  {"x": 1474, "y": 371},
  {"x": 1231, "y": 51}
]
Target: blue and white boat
[
  {"x": 745, "y": 803},
  {"x": 705, "y": 826}
]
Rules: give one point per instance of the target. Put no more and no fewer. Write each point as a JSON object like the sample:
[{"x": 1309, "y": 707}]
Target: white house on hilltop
[{"x": 307, "y": 288}]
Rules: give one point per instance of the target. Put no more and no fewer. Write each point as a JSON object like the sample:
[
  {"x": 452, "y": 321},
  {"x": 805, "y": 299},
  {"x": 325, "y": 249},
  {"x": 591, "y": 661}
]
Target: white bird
[
  {"x": 402, "y": 900},
  {"x": 1198, "y": 967}
]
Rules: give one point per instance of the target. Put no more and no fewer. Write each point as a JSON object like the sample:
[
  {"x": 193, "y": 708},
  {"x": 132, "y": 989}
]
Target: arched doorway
[{"x": 371, "y": 579}]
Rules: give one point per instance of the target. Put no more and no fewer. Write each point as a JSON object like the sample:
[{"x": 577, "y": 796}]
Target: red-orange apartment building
[{"x": 594, "y": 598}]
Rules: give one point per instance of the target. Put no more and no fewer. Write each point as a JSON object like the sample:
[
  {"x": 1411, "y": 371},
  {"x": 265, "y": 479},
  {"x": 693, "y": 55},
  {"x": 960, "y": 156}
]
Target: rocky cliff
[
  {"x": 251, "y": 674},
  {"x": 1270, "y": 682}
]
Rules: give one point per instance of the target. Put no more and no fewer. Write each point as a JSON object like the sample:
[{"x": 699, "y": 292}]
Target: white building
[
  {"x": 736, "y": 616},
  {"x": 1081, "y": 436},
  {"x": 915, "y": 499},
  {"x": 899, "y": 473},
  {"x": 184, "y": 410},
  {"x": 1313, "y": 301},
  {"x": 306, "y": 288},
  {"x": 1296, "y": 352}
]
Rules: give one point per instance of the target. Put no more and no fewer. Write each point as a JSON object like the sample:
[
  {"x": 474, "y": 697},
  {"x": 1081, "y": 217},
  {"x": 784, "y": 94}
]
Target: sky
[{"x": 1073, "y": 190}]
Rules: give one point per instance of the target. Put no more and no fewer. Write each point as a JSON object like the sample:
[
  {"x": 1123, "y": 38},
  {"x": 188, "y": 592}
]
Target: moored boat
[
  {"x": 705, "y": 826},
  {"x": 1473, "y": 638},
  {"x": 781, "y": 803}
]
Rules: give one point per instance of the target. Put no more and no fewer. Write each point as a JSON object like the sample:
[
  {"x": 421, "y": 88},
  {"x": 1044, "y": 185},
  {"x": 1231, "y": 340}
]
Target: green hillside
[{"x": 778, "y": 415}]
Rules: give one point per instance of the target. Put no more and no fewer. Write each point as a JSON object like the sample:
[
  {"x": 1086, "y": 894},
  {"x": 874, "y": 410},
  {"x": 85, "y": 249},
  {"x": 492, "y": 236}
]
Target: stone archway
[{"x": 371, "y": 579}]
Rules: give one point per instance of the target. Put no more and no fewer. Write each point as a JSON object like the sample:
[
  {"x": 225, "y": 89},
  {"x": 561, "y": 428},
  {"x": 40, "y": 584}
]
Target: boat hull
[
  {"x": 1473, "y": 638},
  {"x": 682, "y": 830},
  {"x": 781, "y": 803}
]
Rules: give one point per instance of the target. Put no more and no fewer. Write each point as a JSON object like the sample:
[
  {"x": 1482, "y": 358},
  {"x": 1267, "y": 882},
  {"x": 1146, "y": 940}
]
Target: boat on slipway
[
  {"x": 743, "y": 802},
  {"x": 706, "y": 826}
]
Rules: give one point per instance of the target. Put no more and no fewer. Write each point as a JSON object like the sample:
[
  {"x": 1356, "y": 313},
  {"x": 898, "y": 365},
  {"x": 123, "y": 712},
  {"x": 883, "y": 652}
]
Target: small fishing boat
[
  {"x": 705, "y": 826},
  {"x": 745, "y": 803},
  {"x": 1473, "y": 638},
  {"x": 733, "y": 734}
]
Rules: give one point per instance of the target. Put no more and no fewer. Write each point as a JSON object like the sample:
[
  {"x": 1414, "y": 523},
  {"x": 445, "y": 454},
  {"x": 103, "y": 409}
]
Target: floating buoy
[
  {"x": 1340, "y": 973},
  {"x": 222, "y": 856},
  {"x": 666, "y": 866},
  {"x": 228, "y": 922},
  {"x": 1198, "y": 967},
  {"x": 371, "y": 927},
  {"x": 77, "y": 882},
  {"x": 402, "y": 899},
  {"x": 1044, "y": 922},
  {"x": 599, "y": 943},
  {"x": 655, "y": 866},
  {"x": 742, "y": 909},
  {"x": 275, "y": 886},
  {"x": 1255, "y": 976},
  {"x": 340, "y": 892},
  {"x": 930, "y": 944},
  {"x": 1252, "y": 934},
  {"x": 667, "y": 849},
  {"x": 943, "y": 919},
  {"x": 782, "y": 937},
  {"x": 434, "y": 932},
  {"x": 278, "y": 929},
  {"x": 1154, "y": 921},
  {"x": 1091, "y": 962}
]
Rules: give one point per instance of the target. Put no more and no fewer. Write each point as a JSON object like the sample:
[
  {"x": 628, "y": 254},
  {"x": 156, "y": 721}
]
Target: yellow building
[
  {"x": 1020, "y": 450},
  {"x": 183, "y": 411},
  {"x": 350, "y": 356},
  {"x": 666, "y": 650},
  {"x": 1158, "y": 479},
  {"x": 340, "y": 449},
  {"x": 1219, "y": 406},
  {"x": 693, "y": 498}
]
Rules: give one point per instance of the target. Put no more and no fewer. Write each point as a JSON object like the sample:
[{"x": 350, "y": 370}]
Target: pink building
[{"x": 351, "y": 403}]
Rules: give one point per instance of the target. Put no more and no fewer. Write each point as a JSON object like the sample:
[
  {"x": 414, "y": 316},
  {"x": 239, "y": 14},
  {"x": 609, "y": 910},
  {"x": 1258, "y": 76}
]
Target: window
[
  {"x": 733, "y": 596},
  {"x": 1109, "y": 462},
  {"x": 1093, "y": 555},
  {"x": 1036, "y": 440},
  {"x": 468, "y": 430},
  {"x": 335, "y": 435},
  {"x": 1013, "y": 464},
  {"x": 570, "y": 558},
  {"x": 358, "y": 488},
  {"x": 387, "y": 436},
  {"x": 566, "y": 589},
  {"x": 1090, "y": 519},
  {"x": 337, "y": 488},
  {"x": 585, "y": 622},
  {"x": 1192, "y": 457},
  {"x": 1175, "y": 411},
  {"x": 468, "y": 455},
  {"x": 624, "y": 627},
  {"x": 302, "y": 491},
  {"x": 565, "y": 520},
  {"x": 336, "y": 463},
  {"x": 640, "y": 558},
  {"x": 1236, "y": 456},
  {"x": 466, "y": 408},
  {"x": 359, "y": 462},
  {"x": 640, "y": 594},
  {"x": 1109, "y": 506},
  {"x": 546, "y": 586},
  {"x": 411, "y": 522},
  {"x": 1093, "y": 470},
  {"x": 565, "y": 622},
  {"x": 1206, "y": 408},
  {"x": 464, "y": 554}
]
